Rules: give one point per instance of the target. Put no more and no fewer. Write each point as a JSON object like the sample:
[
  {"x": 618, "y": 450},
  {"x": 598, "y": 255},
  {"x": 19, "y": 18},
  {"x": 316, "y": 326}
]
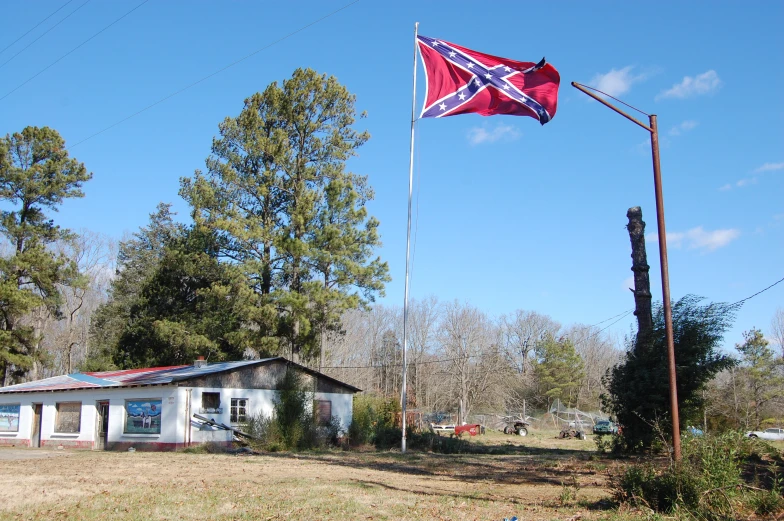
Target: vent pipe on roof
[{"x": 199, "y": 362}]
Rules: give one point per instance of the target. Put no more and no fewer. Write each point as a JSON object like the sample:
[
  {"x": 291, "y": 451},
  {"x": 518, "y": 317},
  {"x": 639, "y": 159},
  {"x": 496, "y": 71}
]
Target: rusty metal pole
[
  {"x": 665, "y": 281},
  {"x": 665, "y": 275}
]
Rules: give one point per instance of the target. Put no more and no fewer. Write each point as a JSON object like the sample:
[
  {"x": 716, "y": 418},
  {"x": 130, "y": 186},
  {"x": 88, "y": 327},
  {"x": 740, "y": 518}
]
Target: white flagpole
[{"x": 408, "y": 247}]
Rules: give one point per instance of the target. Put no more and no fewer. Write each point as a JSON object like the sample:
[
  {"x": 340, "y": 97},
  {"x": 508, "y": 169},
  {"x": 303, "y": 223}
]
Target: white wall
[
  {"x": 174, "y": 423},
  {"x": 86, "y": 436}
]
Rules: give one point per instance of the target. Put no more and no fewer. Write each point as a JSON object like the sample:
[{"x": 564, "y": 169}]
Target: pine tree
[
  {"x": 138, "y": 260},
  {"x": 277, "y": 196},
  {"x": 760, "y": 374},
  {"x": 36, "y": 175},
  {"x": 558, "y": 370}
]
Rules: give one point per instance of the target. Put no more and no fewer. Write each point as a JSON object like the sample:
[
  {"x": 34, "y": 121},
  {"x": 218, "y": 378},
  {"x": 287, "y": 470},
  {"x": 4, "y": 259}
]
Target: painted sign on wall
[
  {"x": 9, "y": 418},
  {"x": 143, "y": 416}
]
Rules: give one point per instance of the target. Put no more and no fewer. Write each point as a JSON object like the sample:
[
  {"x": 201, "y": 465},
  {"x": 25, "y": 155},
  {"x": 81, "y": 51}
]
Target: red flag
[{"x": 462, "y": 81}]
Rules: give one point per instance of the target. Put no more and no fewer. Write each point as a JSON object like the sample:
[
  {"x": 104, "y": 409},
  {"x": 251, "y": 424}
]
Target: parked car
[
  {"x": 605, "y": 427},
  {"x": 774, "y": 434}
]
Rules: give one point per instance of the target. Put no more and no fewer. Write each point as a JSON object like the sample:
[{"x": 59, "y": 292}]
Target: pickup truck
[{"x": 773, "y": 434}]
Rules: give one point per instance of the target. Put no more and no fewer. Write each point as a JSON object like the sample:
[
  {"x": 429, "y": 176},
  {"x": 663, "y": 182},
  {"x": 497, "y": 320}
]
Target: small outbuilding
[{"x": 159, "y": 408}]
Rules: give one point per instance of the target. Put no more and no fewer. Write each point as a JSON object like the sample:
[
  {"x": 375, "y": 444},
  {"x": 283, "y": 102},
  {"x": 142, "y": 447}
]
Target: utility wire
[
  {"x": 440, "y": 360},
  {"x": 42, "y": 35},
  {"x": 613, "y": 97},
  {"x": 622, "y": 316},
  {"x": 205, "y": 78},
  {"x": 34, "y": 76},
  {"x": 757, "y": 293},
  {"x": 36, "y": 25}
]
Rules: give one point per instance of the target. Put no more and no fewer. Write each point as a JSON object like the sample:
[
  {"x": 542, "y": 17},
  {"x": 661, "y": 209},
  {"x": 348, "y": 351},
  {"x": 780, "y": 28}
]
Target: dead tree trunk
[{"x": 642, "y": 283}]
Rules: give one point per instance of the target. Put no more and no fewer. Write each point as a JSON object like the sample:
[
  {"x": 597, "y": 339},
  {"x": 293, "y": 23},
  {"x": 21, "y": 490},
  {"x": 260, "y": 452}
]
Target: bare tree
[
  {"x": 470, "y": 345},
  {"x": 777, "y": 329},
  {"x": 521, "y": 332},
  {"x": 423, "y": 317},
  {"x": 65, "y": 339},
  {"x": 599, "y": 353}
]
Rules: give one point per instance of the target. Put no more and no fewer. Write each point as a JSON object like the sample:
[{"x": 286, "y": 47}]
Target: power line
[
  {"x": 44, "y": 34},
  {"x": 606, "y": 319},
  {"x": 440, "y": 360},
  {"x": 31, "y": 78},
  {"x": 613, "y": 97},
  {"x": 757, "y": 293},
  {"x": 36, "y": 25},
  {"x": 148, "y": 107}
]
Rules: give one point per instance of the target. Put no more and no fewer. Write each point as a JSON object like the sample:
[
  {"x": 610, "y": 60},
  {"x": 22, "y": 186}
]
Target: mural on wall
[
  {"x": 143, "y": 416},
  {"x": 9, "y": 418}
]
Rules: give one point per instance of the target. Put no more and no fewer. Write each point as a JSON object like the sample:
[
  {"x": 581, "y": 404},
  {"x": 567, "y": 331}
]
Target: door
[
  {"x": 102, "y": 425},
  {"x": 35, "y": 439}
]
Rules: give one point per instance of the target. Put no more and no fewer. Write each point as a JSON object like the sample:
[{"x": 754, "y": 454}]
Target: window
[
  {"x": 323, "y": 411},
  {"x": 143, "y": 416},
  {"x": 210, "y": 402},
  {"x": 239, "y": 410},
  {"x": 69, "y": 417},
  {"x": 9, "y": 418}
]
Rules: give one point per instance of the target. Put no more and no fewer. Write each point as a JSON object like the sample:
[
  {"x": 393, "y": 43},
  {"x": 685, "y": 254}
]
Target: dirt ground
[{"x": 530, "y": 482}]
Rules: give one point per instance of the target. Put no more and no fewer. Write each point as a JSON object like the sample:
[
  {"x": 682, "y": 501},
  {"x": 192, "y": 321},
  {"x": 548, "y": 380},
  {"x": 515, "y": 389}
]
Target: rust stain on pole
[{"x": 665, "y": 279}]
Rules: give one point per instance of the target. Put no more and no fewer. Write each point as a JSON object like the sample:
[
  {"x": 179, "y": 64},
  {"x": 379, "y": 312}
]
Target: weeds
[{"x": 708, "y": 484}]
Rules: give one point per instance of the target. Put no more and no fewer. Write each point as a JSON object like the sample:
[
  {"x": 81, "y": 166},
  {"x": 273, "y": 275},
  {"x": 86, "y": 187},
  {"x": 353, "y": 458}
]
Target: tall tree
[
  {"x": 286, "y": 211},
  {"x": 760, "y": 376},
  {"x": 559, "y": 371},
  {"x": 777, "y": 329},
  {"x": 638, "y": 387},
  {"x": 36, "y": 175},
  {"x": 137, "y": 261},
  {"x": 187, "y": 307}
]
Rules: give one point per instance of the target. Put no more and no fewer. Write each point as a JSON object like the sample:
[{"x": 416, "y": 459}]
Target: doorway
[
  {"x": 101, "y": 424},
  {"x": 35, "y": 439}
]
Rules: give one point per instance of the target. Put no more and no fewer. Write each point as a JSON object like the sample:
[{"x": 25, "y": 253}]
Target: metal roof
[{"x": 148, "y": 376}]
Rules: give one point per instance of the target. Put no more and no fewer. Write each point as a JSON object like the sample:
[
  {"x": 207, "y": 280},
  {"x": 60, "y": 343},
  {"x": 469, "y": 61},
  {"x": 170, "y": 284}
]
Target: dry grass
[{"x": 537, "y": 477}]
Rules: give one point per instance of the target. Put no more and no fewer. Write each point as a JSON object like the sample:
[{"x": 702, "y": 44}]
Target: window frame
[
  {"x": 318, "y": 413},
  {"x": 10, "y": 415},
  {"x": 126, "y": 432},
  {"x": 234, "y": 417},
  {"x": 57, "y": 420},
  {"x": 215, "y": 410}
]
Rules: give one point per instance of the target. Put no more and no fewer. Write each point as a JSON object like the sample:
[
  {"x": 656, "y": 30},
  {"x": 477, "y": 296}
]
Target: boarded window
[
  {"x": 69, "y": 417},
  {"x": 239, "y": 410},
  {"x": 323, "y": 411},
  {"x": 210, "y": 402}
]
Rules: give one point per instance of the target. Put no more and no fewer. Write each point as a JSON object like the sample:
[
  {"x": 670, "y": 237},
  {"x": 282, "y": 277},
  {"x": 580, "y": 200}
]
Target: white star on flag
[
  {"x": 462, "y": 96},
  {"x": 507, "y": 69},
  {"x": 452, "y": 54},
  {"x": 442, "y": 106},
  {"x": 470, "y": 65}
]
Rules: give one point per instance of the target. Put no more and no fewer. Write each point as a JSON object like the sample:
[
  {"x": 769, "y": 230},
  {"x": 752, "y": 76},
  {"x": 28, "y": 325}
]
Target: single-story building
[{"x": 153, "y": 409}]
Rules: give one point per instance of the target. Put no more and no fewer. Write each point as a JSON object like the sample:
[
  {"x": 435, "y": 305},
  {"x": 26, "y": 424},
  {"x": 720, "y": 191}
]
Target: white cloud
[
  {"x": 752, "y": 180},
  {"x": 628, "y": 283},
  {"x": 704, "y": 83},
  {"x": 769, "y": 167},
  {"x": 699, "y": 239},
  {"x": 479, "y": 135},
  {"x": 617, "y": 82},
  {"x": 687, "y": 125}
]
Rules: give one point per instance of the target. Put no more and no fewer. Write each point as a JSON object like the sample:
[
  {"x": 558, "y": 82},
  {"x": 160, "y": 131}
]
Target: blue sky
[{"x": 511, "y": 215}]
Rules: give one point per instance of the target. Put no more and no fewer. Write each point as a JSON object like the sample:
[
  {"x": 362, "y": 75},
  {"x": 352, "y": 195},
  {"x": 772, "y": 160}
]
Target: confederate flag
[{"x": 460, "y": 81}]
